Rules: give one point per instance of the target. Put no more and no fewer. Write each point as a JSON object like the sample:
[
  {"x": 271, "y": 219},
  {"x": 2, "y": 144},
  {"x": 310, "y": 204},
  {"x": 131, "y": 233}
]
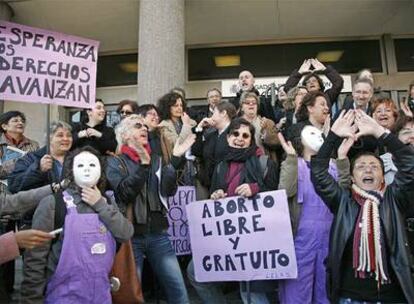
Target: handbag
[{"x": 125, "y": 270}]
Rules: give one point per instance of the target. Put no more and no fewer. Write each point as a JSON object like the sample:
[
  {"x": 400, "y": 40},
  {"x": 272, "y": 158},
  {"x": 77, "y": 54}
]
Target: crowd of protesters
[{"x": 347, "y": 169}]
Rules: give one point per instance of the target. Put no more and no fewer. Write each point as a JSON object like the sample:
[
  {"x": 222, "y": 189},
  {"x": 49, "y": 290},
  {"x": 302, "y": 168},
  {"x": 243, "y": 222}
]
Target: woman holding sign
[
  {"x": 245, "y": 171},
  {"x": 311, "y": 219}
]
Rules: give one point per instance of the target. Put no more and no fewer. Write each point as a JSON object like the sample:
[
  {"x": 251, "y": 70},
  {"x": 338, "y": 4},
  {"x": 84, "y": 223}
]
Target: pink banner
[
  {"x": 242, "y": 239},
  {"x": 41, "y": 66}
]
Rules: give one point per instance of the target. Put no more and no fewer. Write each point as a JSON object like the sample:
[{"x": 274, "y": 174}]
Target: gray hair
[
  {"x": 55, "y": 125},
  {"x": 125, "y": 126}
]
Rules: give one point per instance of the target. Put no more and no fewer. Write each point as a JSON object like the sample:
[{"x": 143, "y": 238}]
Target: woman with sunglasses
[
  {"x": 245, "y": 171},
  {"x": 127, "y": 107},
  {"x": 93, "y": 131},
  {"x": 265, "y": 129},
  {"x": 139, "y": 177}
]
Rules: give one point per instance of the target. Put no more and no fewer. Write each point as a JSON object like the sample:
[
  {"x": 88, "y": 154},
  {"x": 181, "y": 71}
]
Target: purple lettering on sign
[
  {"x": 177, "y": 218},
  {"x": 242, "y": 239},
  {"x": 38, "y": 65}
]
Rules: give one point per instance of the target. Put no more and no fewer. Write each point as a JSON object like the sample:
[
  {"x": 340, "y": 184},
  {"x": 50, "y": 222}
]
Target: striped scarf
[{"x": 369, "y": 256}]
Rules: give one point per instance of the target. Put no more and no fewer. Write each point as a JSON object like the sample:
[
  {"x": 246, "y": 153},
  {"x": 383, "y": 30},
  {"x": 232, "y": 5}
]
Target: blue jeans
[
  {"x": 157, "y": 248},
  {"x": 211, "y": 293}
]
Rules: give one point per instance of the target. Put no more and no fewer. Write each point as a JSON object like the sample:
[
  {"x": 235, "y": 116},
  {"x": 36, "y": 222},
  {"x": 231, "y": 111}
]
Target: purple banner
[
  {"x": 242, "y": 239},
  {"x": 37, "y": 65},
  {"x": 177, "y": 218}
]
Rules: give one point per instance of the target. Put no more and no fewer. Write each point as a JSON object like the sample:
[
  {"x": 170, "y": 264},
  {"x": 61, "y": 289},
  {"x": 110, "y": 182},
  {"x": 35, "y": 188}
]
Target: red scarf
[{"x": 132, "y": 153}]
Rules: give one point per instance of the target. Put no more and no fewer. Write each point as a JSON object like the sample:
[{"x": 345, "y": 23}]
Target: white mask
[
  {"x": 86, "y": 169},
  {"x": 312, "y": 138}
]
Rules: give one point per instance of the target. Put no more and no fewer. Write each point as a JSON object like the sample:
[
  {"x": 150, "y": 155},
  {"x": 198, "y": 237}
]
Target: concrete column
[
  {"x": 6, "y": 13},
  {"x": 161, "y": 48}
]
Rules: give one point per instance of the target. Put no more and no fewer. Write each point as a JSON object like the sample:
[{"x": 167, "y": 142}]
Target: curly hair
[
  {"x": 166, "y": 102},
  {"x": 68, "y": 167},
  {"x": 318, "y": 78}
]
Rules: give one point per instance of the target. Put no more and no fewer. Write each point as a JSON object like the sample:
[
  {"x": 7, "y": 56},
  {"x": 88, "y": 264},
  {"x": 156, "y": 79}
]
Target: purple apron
[
  {"x": 311, "y": 243},
  {"x": 88, "y": 251}
]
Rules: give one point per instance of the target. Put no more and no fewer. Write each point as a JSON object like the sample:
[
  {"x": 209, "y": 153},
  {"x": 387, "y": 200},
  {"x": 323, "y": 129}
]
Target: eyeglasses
[
  {"x": 237, "y": 134},
  {"x": 250, "y": 103},
  {"x": 126, "y": 113},
  {"x": 364, "y": 167}
]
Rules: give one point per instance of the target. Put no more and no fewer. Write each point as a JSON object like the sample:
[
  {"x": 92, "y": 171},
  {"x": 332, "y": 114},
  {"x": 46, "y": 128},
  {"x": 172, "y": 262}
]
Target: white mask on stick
[
  {"x": 312, "y": 138},
  {"x": 86, "y": 169}
]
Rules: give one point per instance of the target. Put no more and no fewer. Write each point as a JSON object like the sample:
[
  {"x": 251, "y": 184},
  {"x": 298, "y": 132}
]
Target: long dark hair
[
  {"x": 84, "y": 118},
  {"x": 68, "y": 167}
]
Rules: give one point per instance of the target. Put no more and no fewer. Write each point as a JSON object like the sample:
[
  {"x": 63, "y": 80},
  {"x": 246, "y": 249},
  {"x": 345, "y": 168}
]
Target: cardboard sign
[
  {"x": 242, "y": 239},
  {"x": 37, "y": 65},
  {"x": 177, "y": 218}
]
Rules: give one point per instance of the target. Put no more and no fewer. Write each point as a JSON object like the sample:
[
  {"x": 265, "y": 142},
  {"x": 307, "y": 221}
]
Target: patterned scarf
[{"x": 369, "y": 256}]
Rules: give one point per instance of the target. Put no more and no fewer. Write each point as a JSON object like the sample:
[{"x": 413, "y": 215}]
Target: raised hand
[
  {"x": 143, "y": 154},
  {"x": 367, "y": 125},
  {"x": 344, "y": 124},
  {"x": 287, "y": 146},
  {"x": 206, "y": 122},
  {"x": 186, "y": 119},
  {"x": 305, "y": 67},
  {"x": 32, "y": 238},
  {"x": 345, "y": 147},
  {"x": 91, "y": 195},
  {"x": 406, "y": 109},
  {"x": 180, "y": 148},
  {"x": 318, "y": 66}
]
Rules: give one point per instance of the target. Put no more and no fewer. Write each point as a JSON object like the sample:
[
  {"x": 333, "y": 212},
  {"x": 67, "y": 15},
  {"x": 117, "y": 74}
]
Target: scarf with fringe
[{"x": 369, "y": 256}]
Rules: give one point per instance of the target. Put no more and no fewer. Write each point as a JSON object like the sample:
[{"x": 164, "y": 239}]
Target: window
[
  {"x": 282, "y": 59},
  {"x": 404, "y": 52},
  {"x": 117, "y": 70}
]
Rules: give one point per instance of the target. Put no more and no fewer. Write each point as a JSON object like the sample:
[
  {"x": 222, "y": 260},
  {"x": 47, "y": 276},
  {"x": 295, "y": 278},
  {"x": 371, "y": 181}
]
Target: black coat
[
  {"x": 102, "y": 144},
  {"x": 396, "y": 204},
  {"x": 210, "y": 148},
  {"x": 333, "y": 76},
  {"x": 27, "y": 174}
]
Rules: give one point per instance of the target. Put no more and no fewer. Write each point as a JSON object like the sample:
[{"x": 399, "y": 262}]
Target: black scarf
[{"x": 252, "y": 172}]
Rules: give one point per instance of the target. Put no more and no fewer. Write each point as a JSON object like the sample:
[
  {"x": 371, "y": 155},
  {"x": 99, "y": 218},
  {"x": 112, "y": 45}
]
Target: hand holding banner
[{"x": 242, "y": 239}]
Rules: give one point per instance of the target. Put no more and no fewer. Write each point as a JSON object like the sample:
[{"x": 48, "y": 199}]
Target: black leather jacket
[{"x": 397, "y": 202}]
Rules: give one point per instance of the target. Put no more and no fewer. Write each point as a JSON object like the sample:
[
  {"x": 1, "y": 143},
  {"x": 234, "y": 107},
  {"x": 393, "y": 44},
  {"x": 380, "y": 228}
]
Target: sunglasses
[
  {"x": 125, "y": 113},
  {"x": 237, "y": 134},
  {"x": 139, "y": 125}
]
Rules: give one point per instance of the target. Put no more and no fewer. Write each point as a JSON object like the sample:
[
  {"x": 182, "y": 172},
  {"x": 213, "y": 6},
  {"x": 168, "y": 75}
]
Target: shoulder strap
[
  {"x": 263, "y": 164},
  {"x": 60, "y": 210}
]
